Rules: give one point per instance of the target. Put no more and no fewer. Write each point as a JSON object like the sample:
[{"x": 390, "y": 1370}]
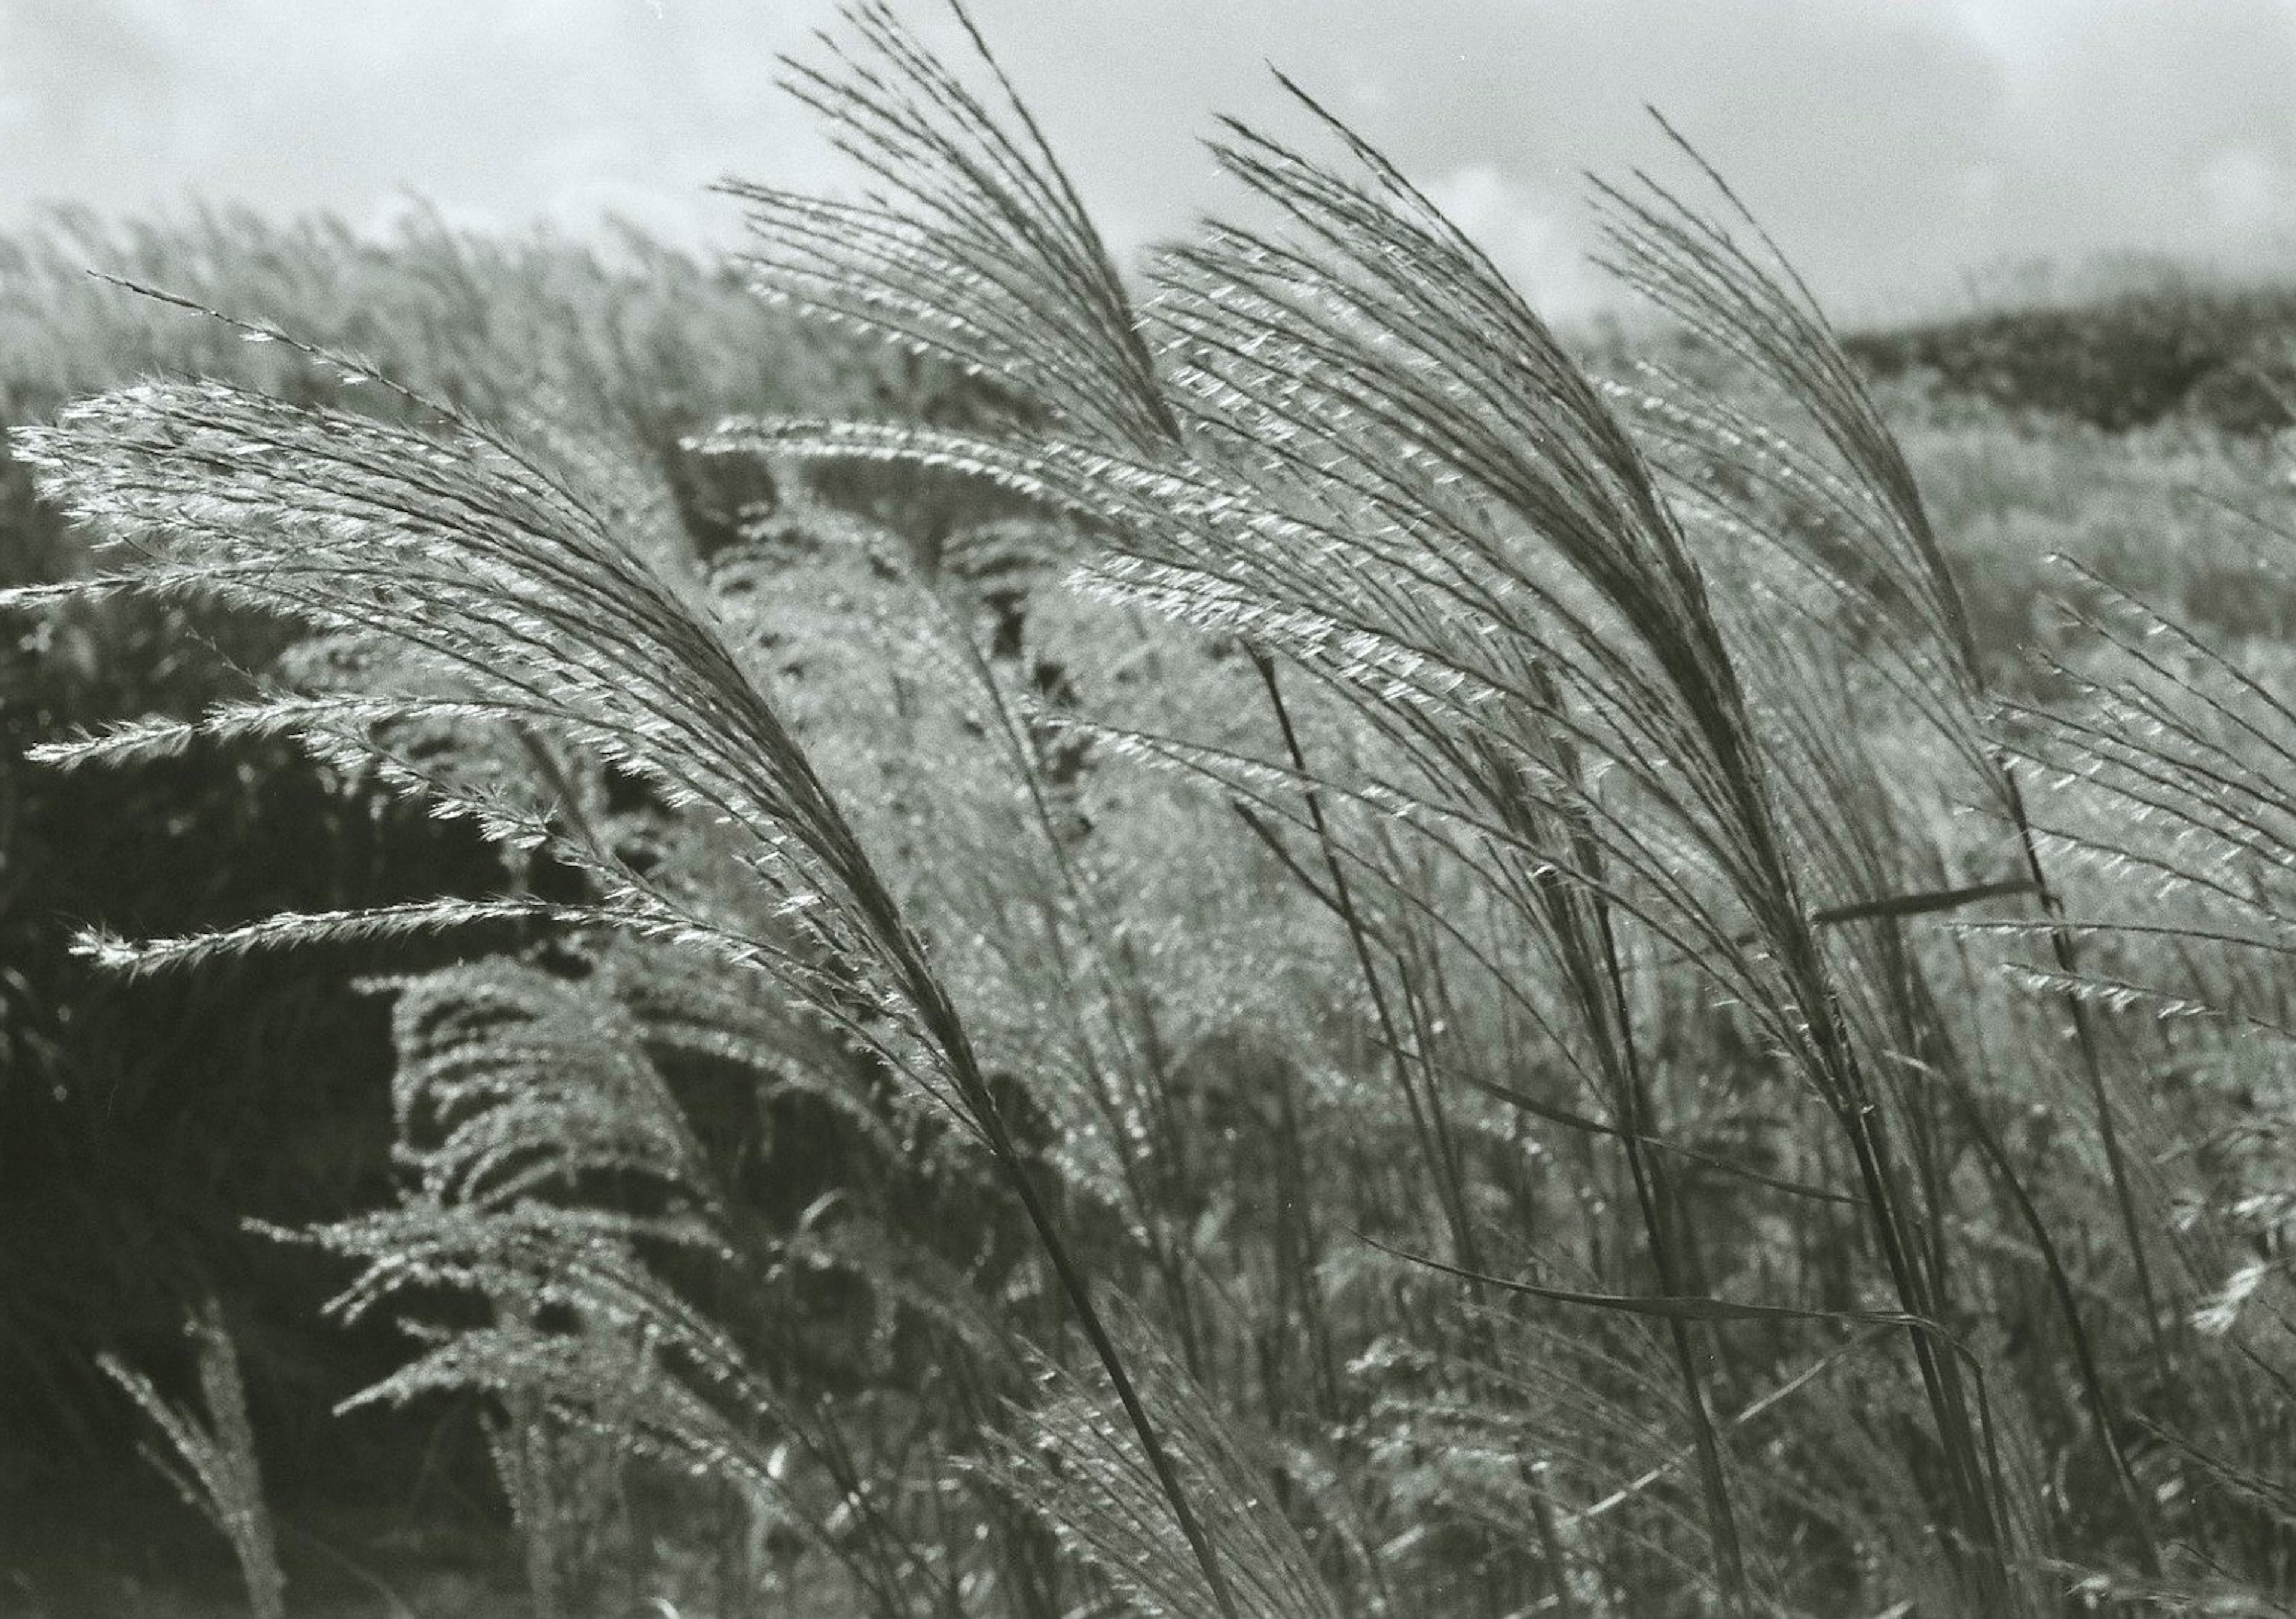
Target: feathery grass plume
[
  {"x": 1080, "y": 1470},
  {"x": 515, "y": 1086},
  {"x": 1387, "y": 454},
  {"x": 1857, "y": 520},
  {"x": 496, "y": 575},
  {"x": 985, "y": 258},
  {"x": 508, "y": 570},
  {"x": 555, "y": 1181},
  {"x": 487, "y": 1219},
  {"x": 2169, "y": 781},
  {"x": 2185, "y": 749},
  {"x": 979, "y": 251},
  {"x": 989, "y": 260},
  {"x": 1691, "y": 265},
  {"x": 557, "y": 1184},
  {"x": 866, "y": 286},
  {"x": 896, "y": 685},
  {"x": 1066, "y": 887},
  {"x": 2163, "y": 792},
  {"x": 220, "y": 1478},
  {"x": 586, "y": 1340}
]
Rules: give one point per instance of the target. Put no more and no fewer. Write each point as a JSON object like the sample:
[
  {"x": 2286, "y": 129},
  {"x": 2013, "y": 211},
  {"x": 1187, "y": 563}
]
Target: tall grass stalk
[
  {"x": 1338, "y": 396},
  {"x": 1693, "y": 268},
  {"x": 218, "y": 1476},
  {"x": 506, "y": 574},
  {"x": 992, "y": 262}
]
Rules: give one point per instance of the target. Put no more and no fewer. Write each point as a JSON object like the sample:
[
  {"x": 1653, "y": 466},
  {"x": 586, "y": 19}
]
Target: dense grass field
[{"x": 1245, "y": 937}]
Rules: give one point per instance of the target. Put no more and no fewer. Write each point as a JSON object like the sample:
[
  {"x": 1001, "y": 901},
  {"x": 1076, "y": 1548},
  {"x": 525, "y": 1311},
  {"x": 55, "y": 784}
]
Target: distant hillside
[{"x": 2226, "y": 358}]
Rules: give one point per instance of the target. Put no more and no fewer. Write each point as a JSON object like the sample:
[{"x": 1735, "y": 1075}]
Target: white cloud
[
  {"x": 506, "y": 110},
  {"x": 2247, "y": 193},
  {"x": 1528, "y": 233}
]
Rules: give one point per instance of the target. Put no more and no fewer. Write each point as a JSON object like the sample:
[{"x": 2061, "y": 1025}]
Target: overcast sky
[{"x": 1897, "y": 148}]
